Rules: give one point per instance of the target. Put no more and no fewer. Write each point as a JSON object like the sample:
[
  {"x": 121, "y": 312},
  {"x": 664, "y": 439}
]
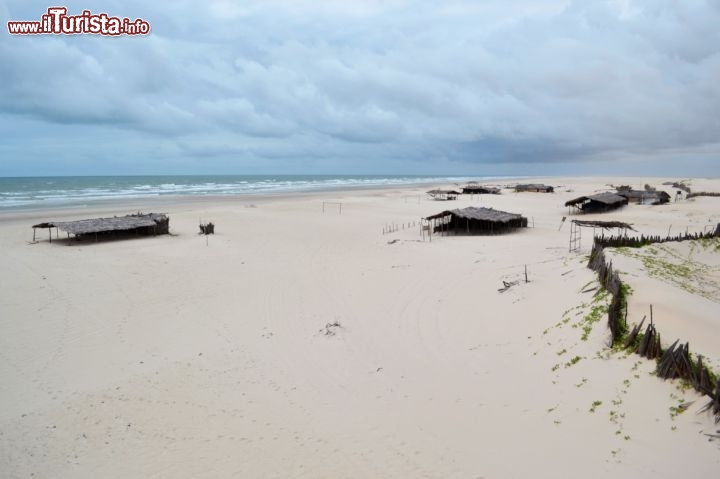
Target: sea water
[{"x": 43, "y": 192}]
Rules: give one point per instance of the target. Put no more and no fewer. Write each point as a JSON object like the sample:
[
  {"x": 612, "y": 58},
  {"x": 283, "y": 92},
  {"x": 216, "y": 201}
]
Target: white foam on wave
[{"x": 45, "y": 196}]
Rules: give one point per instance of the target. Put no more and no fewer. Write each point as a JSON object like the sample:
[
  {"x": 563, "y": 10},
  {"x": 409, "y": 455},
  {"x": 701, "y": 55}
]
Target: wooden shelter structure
[
  {"x": 597, "y": 203},
  {"x": 474, "y": 220},
  {"x": 577, "y": 225},
  {"x": 476, "y": 189},
  {"x": 535, "y": 187},
  {"x": 443, "y": 195},
  {"x": 137, "y": 224},
  {"x": 648, "y": 196}
]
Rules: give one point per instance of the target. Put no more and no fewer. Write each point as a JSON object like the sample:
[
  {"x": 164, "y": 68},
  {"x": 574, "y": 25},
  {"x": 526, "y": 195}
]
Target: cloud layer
[{"x": 368, "y": 86}]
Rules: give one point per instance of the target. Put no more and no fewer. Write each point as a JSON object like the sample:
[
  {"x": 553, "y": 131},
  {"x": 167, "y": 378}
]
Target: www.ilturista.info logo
[{"x": 58, "y": 22}]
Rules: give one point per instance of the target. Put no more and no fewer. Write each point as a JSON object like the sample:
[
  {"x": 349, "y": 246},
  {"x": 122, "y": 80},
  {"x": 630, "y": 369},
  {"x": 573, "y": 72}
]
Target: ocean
[{"x": 61, "y": 191}]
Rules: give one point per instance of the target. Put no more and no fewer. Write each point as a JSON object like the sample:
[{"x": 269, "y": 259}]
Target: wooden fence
[{"x": 673, "y": 362}]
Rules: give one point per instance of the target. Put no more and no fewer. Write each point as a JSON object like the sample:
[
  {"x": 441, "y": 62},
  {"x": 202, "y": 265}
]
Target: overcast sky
[{"x": 350, "y": 86}]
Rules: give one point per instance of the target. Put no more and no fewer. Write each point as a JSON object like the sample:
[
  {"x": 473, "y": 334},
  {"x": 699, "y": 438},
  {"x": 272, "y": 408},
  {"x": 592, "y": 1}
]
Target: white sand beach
[{"x": 184, "y": 356}]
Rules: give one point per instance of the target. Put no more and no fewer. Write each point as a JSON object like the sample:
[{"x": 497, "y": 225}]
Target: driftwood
[
  {"x": 330, "y": 328},
  {"x": 507, "y": 285}
]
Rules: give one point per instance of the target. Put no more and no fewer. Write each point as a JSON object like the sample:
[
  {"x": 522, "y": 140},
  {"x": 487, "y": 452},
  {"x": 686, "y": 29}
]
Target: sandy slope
[{"x": 170, "y": 357}]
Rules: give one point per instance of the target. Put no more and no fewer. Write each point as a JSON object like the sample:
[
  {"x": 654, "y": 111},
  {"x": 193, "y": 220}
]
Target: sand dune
[{"x": 186, "y": 356}]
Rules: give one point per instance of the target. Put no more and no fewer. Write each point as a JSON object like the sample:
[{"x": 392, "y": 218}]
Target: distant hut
[
  {"x": 135, "y": 225},
  {"x": 476, "y": 189},
  {"x": 647, "y": 196},
  {"x": 474, "y": 220},
  {"x": 535, "y": 188},
  {"x": 443, "y": 195},
  {"x": 597, "y": 203}
]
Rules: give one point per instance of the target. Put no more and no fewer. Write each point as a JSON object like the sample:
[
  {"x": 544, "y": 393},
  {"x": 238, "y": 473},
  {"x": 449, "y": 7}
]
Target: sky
[{"x": 506, "y": 87}]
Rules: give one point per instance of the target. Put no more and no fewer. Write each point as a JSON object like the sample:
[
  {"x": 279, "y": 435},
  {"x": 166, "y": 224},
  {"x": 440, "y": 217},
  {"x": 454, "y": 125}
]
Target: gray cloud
[{"x": 356, "y": 86}]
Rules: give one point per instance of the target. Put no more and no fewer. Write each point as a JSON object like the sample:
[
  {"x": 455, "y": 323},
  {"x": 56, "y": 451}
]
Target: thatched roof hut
[
  {"x": 474, "y": 220},
  {"x": 535, "y": 187},
  {"x": 139, "y": 224},
  {"x": 476, "y": 189},
  {"x": 646, "y": 197},
  {"x": 443, "y": 195},
  {"x": 598, "y": 203}
]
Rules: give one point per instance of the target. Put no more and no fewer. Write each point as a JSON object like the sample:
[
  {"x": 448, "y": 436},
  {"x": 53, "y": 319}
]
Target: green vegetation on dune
[
  {"x": 664, "y": 262},
  {"x": 598, "y": 310}
]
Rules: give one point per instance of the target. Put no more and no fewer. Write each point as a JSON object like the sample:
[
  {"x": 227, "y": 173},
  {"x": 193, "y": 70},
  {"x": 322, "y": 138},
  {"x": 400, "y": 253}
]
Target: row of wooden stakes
[{"x": 674, "y": 362}]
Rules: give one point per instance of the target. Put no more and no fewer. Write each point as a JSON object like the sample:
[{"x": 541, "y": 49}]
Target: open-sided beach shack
[
  {"x": 443, "y": 195},
  {"x": 535, "y": 188},
  {"x": 476, "y": 220},
  {"x": 597, "y": 203},
  {"x": 648, "y": 196},
  {"x": 140, "y": 224},
  {"x": 476, "y": 189}
]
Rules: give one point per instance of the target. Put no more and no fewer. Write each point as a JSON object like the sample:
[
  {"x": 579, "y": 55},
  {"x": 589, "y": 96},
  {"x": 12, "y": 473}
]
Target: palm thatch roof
[
  {"x": 100, "y": 225},
  {"x": 475, "y": 220},
  {"x": 443, "y": 192},
  {"x": 609, "y": 199},
  {"x": 649, "y": 195},
  {"x": 604, "y": 224},
  {"x": 535, "y": 187},
  {"x": 479, "y": 214},
  {"x": 480, "y": 190}
]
